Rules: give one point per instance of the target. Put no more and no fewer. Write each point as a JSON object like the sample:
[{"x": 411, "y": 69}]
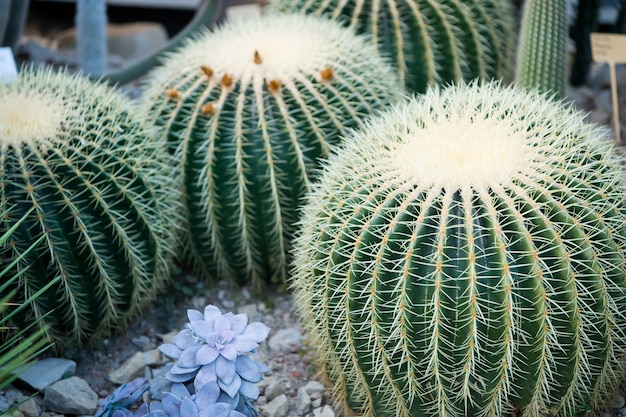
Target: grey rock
[
  {"x": 245, "y": 293},
  {"x": 325, "y": 411},
  {"x": 264, "y": 383},
  {"x": 71, "y": 396},
  {"x": 40, "y": 54},
  {"x": 199, "y": 303},
  {"x": 603, "y": 108},
  {"x": 132, "y": 40},
  {"x": 127, "y": 40},
  {"x": 317, "y": 402},
  {"x": 46, "y": 372},
  {"x": 286, "y": 340},
  {"x": 303, "y": 402},
  {"x": 251, "y": 311},
  {"x": 581, "y": 96},
  {"x": 13, "y": 396},
  {"x": 152, "y": 357},
  {"x": 4, "y": 404},
  {"x": 168, "y": 337},
  {"x": 30, "y": 408},
  {"x": 131, "y": 369},
  {"x": 607, "y": 15},
  {"x": 278, "y": 407},
  {"x": 142, "y": 342},
  {"x": 313, "y": 388},
  {"x": 273, "y": 390}
]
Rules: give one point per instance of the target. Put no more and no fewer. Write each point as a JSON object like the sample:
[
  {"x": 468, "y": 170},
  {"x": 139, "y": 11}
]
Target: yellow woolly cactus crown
[
  {"x": 471, "y": 137},
  {"x": 275, "y": 51},
  {"x": 463, "y": 255}
]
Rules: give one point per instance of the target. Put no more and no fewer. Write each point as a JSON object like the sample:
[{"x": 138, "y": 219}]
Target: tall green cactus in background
[
  {"x": 429, "y": 41},
  {"x": 463, "y": 255},
  {"x": 248, "y": 111},
  {"x": 95, "y": 185},
  {"x": 91, "y": 27},
  {"x": 542, "y": 50}
]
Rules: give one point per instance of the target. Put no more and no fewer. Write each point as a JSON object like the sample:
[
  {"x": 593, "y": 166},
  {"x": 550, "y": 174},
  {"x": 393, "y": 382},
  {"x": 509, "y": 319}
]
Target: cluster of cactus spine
[
  {"x": 463, "y": 255},
  {"x": 430, "y": 42},
  {"x": 78, "y": 162},
  {"x": 248, "y": 111}
]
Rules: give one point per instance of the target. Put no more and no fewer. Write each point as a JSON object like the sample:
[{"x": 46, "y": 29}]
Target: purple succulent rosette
[
  {"x": 181, "y": 403},
  {"x": 212, "y": 348},
  {"x": 115, "y": 405}
]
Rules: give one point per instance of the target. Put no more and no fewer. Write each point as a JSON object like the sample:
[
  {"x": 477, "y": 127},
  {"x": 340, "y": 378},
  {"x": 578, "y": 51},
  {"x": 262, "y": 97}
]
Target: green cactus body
[
  {"x": 463, "y": 255},
  {"x": 249, "y": 110},
  {"x": 542, "y": 52},
  {"x": 429, "y": 41},
  {"x": 95, "y": 185}
]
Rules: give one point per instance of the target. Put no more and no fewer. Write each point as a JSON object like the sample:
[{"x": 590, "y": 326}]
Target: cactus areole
[
  {"x": 92, "y": 183},
  {"x": 463, "y": 255},
  {"x": 249, "y": 110}
]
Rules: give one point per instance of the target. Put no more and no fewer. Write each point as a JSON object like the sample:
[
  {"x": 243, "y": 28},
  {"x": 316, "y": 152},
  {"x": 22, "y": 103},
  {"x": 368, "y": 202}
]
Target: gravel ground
[{"x": 290, "y": 367}]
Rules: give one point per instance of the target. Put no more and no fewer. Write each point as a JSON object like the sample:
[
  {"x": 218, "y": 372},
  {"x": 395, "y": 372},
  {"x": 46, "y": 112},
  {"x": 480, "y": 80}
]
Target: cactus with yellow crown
[
  {"x": 249, "y": 110},
  {"x": 92, "y": 184},
  {"x": 463, "y": 255}
]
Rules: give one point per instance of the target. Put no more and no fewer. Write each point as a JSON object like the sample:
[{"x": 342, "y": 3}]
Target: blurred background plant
[
  {"x": 13, "y": 14},
  {"x": 91, "y": 25},
  {"x": 587, "y": 20}
]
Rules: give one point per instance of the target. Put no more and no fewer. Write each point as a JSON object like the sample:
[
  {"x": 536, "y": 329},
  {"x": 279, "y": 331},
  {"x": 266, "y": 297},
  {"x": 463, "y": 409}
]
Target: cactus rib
[
  {"x": 461, "y": 255},
  {"x": 249, "y": 124},
  {"x": 74, "y": 155}
]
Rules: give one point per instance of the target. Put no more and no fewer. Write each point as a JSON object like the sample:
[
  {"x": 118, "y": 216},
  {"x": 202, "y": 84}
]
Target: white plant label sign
[
  {"x": 610, "y": 48},
  {"x": 8, "y": 69}
]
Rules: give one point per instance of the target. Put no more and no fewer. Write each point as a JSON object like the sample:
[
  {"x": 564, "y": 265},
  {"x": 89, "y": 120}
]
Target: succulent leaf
[
  {"x": 213, "y": 351},
  {"x": 122, "y": 397}
]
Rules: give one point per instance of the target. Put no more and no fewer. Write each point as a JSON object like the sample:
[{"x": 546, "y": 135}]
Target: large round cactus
[
  {"x": 94, "y": 186},
  {"x": 463, "y": 255},
  {"x": 430, "y": 42},
  {"x": 249, "y": 110}
]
